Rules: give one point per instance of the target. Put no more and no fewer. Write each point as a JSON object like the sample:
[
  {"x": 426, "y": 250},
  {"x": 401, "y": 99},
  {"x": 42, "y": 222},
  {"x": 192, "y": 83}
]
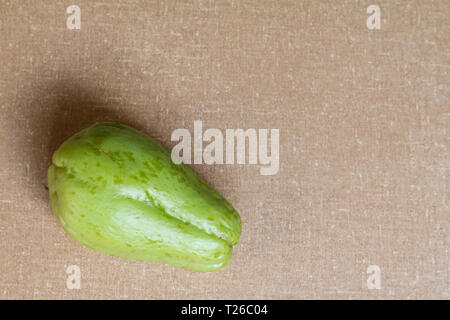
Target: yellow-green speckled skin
[{"x": 116, "y": 190}]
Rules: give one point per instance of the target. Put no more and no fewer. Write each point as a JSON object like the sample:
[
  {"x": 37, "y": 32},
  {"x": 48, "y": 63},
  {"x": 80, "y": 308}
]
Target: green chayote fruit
[{"x": 116, "y": 190}]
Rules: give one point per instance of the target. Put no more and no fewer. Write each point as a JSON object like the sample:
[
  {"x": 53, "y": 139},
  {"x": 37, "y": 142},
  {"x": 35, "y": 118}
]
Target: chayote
[{"x": 116, "y": 190}]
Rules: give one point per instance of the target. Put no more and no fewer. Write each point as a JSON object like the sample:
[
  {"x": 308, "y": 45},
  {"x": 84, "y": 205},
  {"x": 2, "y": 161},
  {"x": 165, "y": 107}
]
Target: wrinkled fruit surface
[{"x": 116, "y": 190}]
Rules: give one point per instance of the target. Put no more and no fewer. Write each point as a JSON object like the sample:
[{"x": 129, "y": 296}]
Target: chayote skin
[{"x": 116, "y": 190}]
